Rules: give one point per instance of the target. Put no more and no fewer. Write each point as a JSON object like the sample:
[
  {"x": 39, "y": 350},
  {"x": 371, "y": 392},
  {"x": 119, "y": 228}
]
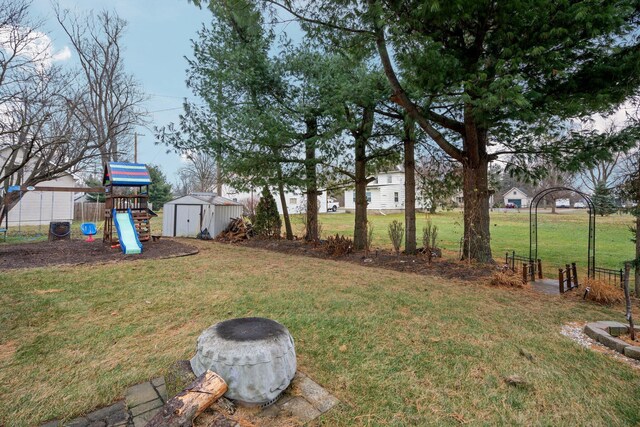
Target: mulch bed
[
  {"x": 41, "y": 254},
  {"x": 381, "y": 259}
]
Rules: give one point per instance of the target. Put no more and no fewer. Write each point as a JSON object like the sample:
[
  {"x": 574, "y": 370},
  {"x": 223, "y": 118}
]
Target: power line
[
  {"x": 166, "y": 96},
  {"x": 166, "y": 109}
]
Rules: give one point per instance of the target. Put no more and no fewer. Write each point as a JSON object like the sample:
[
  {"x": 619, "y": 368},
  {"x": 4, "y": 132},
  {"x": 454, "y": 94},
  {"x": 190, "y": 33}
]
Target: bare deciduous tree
[
  {"x": 45, "y": 130},
  {"x": 555, "y": 178},
  {"x": 199, "y": 174},
  {"x": 112, "y": 105},
  {"x": 40, "y": 138}
]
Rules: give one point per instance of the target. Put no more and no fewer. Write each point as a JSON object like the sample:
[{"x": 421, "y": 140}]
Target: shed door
[
  {"x": 517, "y": 202},
  {"x": 188, "y": 220}
]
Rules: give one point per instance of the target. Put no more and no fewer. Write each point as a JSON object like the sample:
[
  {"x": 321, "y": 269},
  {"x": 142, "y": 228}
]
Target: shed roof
[
  {"x": 205, "y": 198},
  {"x": 120, "y": 174},
  {"x": 214, "y": 199}
]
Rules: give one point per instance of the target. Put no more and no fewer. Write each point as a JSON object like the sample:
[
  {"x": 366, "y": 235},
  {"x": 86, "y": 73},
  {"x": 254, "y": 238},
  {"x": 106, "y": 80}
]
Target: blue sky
[{"x": 156, "y": 42}]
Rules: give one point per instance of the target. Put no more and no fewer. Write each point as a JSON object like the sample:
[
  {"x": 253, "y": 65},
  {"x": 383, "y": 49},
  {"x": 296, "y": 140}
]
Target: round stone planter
[{"x": 254, "y": 355}]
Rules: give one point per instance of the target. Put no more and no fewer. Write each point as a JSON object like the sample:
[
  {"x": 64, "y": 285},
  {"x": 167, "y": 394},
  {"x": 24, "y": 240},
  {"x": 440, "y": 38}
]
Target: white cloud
[
  {"x": 62, "y": 55},
  {"x": 615, "y": 121},
  {"x": 32, "y": 45}
]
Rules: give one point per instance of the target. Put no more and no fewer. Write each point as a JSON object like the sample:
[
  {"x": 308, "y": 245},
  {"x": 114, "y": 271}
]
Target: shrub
[
  {"x": 267, "y": 222},
  {"x": 338, "y": 245},
  {"x": 369, "y": 238},
  {"x": 602, "y": 292},
  {"x": 429, "y": 236},
  {"x": 396, "y": 233},
  {"x": 506, "y": 278}
]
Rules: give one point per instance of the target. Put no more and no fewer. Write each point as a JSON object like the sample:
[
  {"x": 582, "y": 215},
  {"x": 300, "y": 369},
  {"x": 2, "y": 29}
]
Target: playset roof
[{"x": 120, "y": 174}]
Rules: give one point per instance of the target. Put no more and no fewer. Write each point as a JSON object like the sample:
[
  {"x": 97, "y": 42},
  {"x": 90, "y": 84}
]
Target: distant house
[
  {"x": 384, "y": 194},
  {"x": 516, "y": 197},
  {"x": 296, "y": 200},
  {"x": 42, "y": 207}
]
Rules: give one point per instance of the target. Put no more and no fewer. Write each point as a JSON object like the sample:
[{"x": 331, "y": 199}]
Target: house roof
[
  {"x": 120, "y": 174},
  {"x": 517, "y": 189}
]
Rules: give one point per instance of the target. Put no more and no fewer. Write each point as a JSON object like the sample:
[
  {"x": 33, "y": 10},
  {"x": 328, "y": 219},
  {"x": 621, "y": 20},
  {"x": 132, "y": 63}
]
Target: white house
[
  {"x": 42, "y": 207},
  {"x": 516, "y": 197},
  {"x": 296, "y": 200},
  {"x": 385, "y": 193}
]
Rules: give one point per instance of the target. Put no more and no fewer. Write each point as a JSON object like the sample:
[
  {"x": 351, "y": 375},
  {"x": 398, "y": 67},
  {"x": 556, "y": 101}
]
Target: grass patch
[
  {"x": 395, "y": 348},
  {"x": 562, "y": 237}
]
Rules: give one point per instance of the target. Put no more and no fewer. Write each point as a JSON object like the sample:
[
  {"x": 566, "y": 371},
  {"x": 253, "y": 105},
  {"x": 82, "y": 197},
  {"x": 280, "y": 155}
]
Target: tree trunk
[
  {"x": 636, "y": 266},
  {"x": 360, "y": 227},
  {"x": 477, "y": 238},
  {"x": 311, "y": 179},
  {"x": 409, "y": 187},
  {"x": 283, "y": 203}
]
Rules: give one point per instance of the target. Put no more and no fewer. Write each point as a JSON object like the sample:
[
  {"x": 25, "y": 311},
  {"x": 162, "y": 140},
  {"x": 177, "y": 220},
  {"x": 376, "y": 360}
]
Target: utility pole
[
  {"x": 135, "y": 146},
  {"x": 135, "y": 151}
]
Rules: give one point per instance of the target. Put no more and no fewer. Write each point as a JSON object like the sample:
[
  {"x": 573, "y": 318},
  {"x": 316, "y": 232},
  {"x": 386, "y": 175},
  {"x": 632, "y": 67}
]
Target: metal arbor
[{"x": 533, "y": 226}]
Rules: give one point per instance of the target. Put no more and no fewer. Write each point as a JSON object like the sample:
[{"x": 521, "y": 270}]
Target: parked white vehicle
[
  {"x": 579, "y": 205},
  {"x": 332, "y": 205}
]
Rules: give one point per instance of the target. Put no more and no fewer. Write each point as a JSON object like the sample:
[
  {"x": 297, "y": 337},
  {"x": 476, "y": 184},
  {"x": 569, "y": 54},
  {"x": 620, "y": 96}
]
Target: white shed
[{"x": 188, "y": 215}]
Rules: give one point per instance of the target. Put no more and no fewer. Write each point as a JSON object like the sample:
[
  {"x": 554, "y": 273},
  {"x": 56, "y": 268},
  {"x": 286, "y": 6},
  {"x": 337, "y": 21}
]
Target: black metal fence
[{"x": 610, "y": 276}]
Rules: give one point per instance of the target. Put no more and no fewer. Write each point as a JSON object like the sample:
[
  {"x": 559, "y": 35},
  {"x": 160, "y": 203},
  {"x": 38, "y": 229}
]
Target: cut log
[
  {"x": 238, "y": 229},
  {"x": 182, "y": 409}
]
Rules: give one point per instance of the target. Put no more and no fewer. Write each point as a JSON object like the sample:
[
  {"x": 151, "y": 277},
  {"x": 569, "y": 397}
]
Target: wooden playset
[{"x": 126, "y": 187}]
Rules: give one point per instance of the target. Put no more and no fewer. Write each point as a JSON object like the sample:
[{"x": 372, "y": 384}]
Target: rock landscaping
[{"x": 608, "y": 333}]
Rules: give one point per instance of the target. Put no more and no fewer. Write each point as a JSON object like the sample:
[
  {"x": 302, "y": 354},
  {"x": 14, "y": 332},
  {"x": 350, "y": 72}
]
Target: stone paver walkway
[
  {"x": 141, "y": 403},
  {"x": 546, "y": 286},
  {"x": 304, "y": 400},
  {"x": 145, "y": 400}
]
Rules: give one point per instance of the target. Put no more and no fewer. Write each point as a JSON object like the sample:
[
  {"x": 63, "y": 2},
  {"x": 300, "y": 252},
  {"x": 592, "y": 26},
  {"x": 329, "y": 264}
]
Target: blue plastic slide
[{"x": 127, "y": 234}]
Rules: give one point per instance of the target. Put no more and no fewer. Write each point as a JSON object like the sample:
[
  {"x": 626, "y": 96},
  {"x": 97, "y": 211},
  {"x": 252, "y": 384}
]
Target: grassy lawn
[
  {"x": 562, "y": 237},
  {"x": 419, "y": 350}
]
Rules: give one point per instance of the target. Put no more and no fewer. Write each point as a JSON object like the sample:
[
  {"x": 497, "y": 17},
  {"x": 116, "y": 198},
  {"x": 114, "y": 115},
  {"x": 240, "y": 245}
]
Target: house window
[
  {"x": 235, "y": 199},
  {"x": 389, "y": 179},
  {"x": 293, "y": 201},
  {"x": 514, "y": 193},
  {"x": 368, "y": 196},
  {"x": 396, "y": 197},
  {"x": 375, "y": 181}
]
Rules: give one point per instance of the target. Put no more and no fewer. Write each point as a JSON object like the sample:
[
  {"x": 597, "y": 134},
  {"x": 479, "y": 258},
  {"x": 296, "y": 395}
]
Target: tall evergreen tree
[
  {"x": 267, "y": 223},
  {"x": 603, "y": 200},
  {"x": 485, "y": 79},
  {"x": 160, "y": 188}
]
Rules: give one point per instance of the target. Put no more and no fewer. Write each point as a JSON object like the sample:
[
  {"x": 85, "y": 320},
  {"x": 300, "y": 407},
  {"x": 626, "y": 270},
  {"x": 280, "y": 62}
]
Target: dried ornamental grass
[
  {"x": 338, "y": 246},
  {"x": 603, "y": 292},
  {"x": 506, "y": 278}
]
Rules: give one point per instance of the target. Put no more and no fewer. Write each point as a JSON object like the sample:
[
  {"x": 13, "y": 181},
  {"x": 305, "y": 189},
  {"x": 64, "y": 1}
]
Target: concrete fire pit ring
[{"x": 254, "y": 355}]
